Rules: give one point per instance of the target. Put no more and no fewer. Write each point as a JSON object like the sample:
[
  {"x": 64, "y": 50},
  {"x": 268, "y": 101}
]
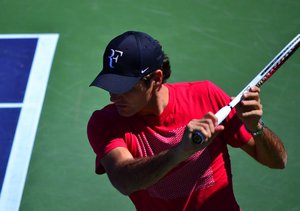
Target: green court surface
[{"x": 227, "y": 42}]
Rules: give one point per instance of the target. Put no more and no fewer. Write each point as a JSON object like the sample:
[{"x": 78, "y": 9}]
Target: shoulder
[
  {"x": 194, "y": 85},
  {"x": 105, "y": 115},
  {"x": 196, "y": 88},
  {"x": 101, "y": 120},
  {"x": 105, "y": 125}
]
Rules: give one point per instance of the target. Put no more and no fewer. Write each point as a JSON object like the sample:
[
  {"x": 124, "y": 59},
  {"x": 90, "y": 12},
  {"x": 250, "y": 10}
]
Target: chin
[{"x": 125, "y": 113}]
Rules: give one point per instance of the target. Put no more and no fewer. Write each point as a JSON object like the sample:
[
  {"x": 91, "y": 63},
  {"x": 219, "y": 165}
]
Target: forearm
[
  {"x": 137, "y": 174},
  {"x": 270, "y": 150},
  {"x": 130, "y": 174}
]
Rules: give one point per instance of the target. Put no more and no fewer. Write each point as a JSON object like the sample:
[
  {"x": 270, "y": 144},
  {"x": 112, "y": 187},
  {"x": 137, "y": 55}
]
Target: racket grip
[
  {"x": 198, "y": 137},
  {"x": 223, "y": 113}
]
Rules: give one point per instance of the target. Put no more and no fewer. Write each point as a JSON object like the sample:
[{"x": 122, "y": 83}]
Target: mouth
[
  {"x": 121, "y": 106},
  {"x": 123, "y": 110}
]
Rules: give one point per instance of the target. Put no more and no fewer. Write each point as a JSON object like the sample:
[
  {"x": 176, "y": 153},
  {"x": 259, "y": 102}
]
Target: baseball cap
[{"x": 127, "y": 58}]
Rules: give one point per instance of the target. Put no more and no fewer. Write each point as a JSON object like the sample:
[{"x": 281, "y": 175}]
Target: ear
[{"x": 158, "y": 77}]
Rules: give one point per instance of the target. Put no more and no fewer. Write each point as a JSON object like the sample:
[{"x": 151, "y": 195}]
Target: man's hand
[
  {"x": 207, "y": 126},
  {"x": 267, "y": 148},
  {"x": 250, "y": 109}
]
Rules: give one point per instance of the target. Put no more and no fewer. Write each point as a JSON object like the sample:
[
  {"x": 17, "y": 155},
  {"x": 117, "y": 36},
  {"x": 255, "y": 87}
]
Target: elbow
[
  {"x": 284, "y": 162},
  {"x": 119, "y": 182},
  {"x": 126, "y": 187},
  {"x": 280, "y": 163},
  {"x": 122, "y": 187}
]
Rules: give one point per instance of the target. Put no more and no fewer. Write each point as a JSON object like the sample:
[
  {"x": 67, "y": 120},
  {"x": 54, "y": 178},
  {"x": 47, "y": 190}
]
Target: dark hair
[{"x": 166, "y": 68}]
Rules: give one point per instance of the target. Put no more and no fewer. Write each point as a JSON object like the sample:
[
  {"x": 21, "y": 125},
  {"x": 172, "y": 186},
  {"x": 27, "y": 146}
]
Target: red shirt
[{"x": 204, "y": 180}]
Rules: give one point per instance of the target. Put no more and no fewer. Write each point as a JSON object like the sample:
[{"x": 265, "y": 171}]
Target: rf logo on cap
[{"x": 113, "y": 58}]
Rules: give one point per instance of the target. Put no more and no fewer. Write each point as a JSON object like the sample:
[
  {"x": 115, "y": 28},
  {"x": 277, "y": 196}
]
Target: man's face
[{"x": 134, "y": 101}]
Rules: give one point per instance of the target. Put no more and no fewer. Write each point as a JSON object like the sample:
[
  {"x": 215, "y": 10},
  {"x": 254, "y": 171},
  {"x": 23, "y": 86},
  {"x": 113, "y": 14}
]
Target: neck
[{"x": 157, "y": 103}]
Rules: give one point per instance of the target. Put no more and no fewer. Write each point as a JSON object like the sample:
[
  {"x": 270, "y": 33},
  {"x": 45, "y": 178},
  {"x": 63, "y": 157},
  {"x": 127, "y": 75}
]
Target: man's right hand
[{"x": 207, "y": 126}]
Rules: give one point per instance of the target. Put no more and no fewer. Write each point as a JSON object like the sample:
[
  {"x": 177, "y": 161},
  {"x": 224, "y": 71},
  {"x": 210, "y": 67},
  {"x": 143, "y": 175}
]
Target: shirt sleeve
[{"x": 103, "y": 136}]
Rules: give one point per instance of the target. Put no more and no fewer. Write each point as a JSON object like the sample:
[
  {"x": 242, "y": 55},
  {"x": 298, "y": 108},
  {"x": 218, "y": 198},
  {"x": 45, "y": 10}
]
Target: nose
[{"x": 114, "y": 97}]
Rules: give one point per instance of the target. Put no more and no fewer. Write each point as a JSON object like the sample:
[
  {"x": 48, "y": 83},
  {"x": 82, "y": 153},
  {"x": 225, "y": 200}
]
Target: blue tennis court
[
  {"x": 23, "y": 83},
  {"x": 16, "y": 57}
]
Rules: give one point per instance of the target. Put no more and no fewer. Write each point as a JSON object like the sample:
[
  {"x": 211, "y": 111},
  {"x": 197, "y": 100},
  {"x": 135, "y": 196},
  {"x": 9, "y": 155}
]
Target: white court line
[
  {"x": 11, "y": 105},
  {"x": 19, "y": 159}
]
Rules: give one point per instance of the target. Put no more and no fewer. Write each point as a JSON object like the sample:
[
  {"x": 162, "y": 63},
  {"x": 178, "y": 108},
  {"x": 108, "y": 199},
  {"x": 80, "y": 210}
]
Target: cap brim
[{"x": 115, "y": 84}]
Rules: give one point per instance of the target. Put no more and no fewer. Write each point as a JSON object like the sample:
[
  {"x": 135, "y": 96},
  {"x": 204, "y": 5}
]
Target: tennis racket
[{"x": 259, "y": 80}]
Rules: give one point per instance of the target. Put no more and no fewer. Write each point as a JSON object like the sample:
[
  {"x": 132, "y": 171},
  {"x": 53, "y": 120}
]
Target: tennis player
[{"x": 142, "y": 140}]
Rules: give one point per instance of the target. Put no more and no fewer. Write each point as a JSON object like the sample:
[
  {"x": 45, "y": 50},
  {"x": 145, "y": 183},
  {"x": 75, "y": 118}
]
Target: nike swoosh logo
[{"x": 144, "y": 70}]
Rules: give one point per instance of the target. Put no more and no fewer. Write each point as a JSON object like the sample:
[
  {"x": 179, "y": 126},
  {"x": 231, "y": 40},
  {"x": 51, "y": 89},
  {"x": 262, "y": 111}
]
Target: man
[{"x": 144, "y": 139}]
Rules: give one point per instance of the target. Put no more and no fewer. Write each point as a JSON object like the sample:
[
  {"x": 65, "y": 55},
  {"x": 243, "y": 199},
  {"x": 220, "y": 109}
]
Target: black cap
[{"x": 127, "y": 58}]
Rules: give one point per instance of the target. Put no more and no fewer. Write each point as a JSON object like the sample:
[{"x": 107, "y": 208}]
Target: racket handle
[
  {"x": 198, "y": 137},
  {"x": 223, "y": 113}
]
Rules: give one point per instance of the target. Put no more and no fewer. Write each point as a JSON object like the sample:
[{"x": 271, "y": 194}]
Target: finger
[
  {"x": 212, "y": 117},
  {"x": 254, "y": 89},
  {"x": 204, "y": 129},
  {"x": 253, "y": 113},
  {"x": 251, "y": 96},
  {"x": 206, "y": 125},
  {"x": 251, "y": 104},
  {"x": 210, "y": 123},
  {"x": 218, "y": 129}
]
